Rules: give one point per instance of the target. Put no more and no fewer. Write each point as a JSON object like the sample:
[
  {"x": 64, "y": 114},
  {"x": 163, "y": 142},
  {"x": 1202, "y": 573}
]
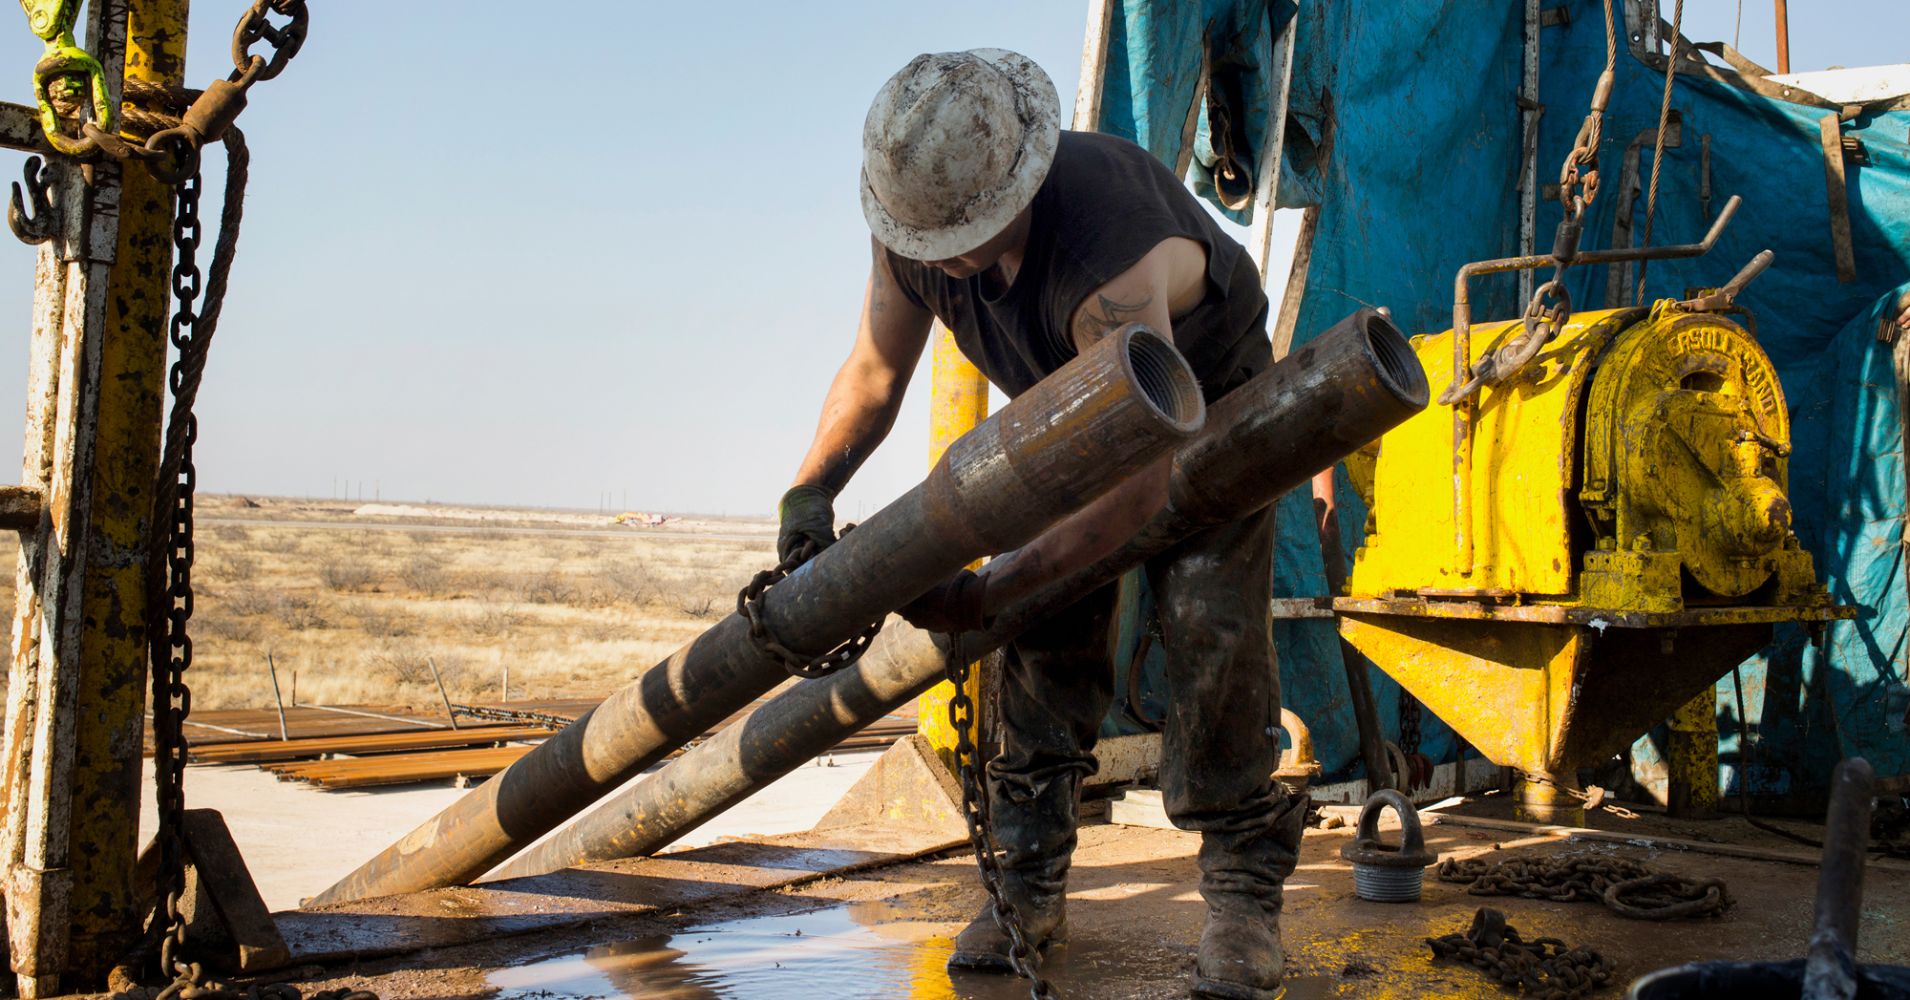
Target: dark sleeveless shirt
[{"x": 1105, "y": 203}]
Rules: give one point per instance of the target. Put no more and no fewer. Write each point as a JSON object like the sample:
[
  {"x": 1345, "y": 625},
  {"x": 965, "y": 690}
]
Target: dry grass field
[{"x": 358, "y": 608}]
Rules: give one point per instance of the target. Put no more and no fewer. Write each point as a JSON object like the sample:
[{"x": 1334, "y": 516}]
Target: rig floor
[{"x": 830, "y": 914}]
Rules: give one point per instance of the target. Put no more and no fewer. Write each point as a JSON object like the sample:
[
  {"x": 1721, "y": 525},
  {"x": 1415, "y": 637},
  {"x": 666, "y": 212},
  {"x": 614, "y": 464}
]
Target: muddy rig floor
[{"x": 837, "y": 914}]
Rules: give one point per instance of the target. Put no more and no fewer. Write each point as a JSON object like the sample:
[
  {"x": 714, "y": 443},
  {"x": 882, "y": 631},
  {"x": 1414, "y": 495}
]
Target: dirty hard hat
[{"x": 955, "y": 146}]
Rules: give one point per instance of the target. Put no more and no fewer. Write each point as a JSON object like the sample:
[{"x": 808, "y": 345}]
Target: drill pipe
[
  {"x": 1116, "y": 408},
  {"x": 1328, "y": 399}
]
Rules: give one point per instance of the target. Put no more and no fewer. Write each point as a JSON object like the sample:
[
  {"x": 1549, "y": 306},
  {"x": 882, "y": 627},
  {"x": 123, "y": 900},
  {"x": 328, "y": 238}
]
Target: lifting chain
[
  {"x": 170, "y": 589},
  {"x": 170, "y": 577},
  {"x": 1416, "y": 769},
  {"x": 1543, "y": 968},
  {"x": 749, "y": 604},
  {"x": 1551, "y": 306},
  {"x": 172, "y": 149},
  {"x": 962, "y": 717},
  {"x": 1627, "y": 888}
]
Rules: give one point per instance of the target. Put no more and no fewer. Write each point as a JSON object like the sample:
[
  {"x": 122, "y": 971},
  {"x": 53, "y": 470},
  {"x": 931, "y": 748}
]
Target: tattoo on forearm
[{"x": 1105, "y": 314}]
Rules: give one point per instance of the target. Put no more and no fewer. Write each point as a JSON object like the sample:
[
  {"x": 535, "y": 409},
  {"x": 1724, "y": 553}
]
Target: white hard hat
[{"x": 955, "y": 146}]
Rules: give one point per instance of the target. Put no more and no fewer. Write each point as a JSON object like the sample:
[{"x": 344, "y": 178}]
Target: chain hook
[
  {"x": 52, "y": 22},
  {"x": 37, "y": 225}
]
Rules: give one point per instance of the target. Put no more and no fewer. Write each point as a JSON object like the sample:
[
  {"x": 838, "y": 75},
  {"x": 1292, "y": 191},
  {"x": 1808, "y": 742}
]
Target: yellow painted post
[
  {"x": 112, "y": 700},
  {"x": 1691, "y": 759},
  {"x": 958, "y": 400}
]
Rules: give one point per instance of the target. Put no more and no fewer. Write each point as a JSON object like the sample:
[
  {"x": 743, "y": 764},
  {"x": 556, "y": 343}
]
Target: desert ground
[{"x": 355, "y": 602}]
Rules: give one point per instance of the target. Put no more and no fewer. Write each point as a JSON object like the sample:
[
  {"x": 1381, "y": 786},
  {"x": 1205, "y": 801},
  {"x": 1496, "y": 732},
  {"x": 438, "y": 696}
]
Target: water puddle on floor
[{"x": 873, "y": 950}]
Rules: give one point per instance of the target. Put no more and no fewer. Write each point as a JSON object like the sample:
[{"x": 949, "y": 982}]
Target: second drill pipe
[
  {"x": 1329, "y": 398},
  {"x": 1119, "y": 406}
]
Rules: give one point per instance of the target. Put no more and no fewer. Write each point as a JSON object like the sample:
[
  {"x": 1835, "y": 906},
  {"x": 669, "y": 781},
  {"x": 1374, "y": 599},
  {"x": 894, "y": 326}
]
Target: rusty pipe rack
[
  {"x": 1111, "y": 411},
  {"x": 1329, "y": 398}
]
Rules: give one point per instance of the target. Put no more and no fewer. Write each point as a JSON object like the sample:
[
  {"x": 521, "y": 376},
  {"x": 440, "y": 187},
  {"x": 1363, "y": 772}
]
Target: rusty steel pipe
[
  {"x": 1117, "y": 407},
  {"x": 1326, "y": 400}
]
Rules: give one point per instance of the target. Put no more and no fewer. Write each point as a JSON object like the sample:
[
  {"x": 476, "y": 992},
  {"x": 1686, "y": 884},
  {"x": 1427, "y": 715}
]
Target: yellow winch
[{"x": 1559, "y": 563}]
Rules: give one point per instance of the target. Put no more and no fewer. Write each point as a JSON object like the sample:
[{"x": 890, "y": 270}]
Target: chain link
[
  {"x": 961, "y": 717},
  {"x": 749, "y": 604},
  {"x": 1628, "y": 888},
  {"x": 284, "y": 40},
  {"x": 1543, "y": 968}
]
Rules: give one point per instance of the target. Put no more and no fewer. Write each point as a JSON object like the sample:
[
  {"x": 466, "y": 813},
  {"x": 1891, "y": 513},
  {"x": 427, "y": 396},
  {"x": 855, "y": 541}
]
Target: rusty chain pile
[
  {"x": 749, "y": 604},
  {"x": 1544, "y": 968},
  {"x": 1627, "y": 888},
  {"x": 962, "y": 716}
]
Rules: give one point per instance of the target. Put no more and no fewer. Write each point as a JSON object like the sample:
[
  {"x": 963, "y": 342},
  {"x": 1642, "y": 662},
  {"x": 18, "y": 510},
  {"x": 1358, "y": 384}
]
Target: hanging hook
[{"x": 35, "y": 226}]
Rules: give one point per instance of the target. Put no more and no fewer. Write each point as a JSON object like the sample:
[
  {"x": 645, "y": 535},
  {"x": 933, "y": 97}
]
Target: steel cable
[{"x": 1658, "y": 142}]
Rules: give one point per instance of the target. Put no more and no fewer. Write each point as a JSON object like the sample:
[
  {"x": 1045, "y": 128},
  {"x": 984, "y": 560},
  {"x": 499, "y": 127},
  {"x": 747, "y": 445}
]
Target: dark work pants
[{"x": 1213, "y": 593}]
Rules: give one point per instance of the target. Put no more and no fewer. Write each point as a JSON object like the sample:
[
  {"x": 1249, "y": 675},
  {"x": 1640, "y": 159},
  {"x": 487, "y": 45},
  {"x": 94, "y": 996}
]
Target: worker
[{"x": 1031, "y": 243}]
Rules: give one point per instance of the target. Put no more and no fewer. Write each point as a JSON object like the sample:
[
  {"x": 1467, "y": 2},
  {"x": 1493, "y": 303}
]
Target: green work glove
[{"x": 808, "y": 514}]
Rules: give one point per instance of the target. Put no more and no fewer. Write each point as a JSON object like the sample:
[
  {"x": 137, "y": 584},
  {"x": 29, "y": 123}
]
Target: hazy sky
[{"x": 501, "y": 258}]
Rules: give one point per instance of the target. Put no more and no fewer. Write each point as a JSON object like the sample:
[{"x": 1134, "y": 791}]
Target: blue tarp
[{"x": 1404, "y": 131}]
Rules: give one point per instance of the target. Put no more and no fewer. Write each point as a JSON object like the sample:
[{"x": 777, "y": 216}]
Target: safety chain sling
[
  {"x": 749, "y": 604},
  {"x": 961, "y": 716}
]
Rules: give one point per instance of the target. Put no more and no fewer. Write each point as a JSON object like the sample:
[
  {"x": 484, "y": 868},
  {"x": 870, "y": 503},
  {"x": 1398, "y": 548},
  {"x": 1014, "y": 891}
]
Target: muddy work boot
[
  {"x": 1240, "y": 953},
  {"x": 1034, "y": 819},
  {"x": 983, "y": 946},
  {"x": 1242, "y": 879}
]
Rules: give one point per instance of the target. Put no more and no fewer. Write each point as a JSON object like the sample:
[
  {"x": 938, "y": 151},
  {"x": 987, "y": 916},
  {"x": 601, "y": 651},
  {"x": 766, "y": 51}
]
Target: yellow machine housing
[{"x": 1629, "y": 538}]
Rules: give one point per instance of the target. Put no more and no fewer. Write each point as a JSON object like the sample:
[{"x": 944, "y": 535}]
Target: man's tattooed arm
[{"x": 1106, "y": 313}]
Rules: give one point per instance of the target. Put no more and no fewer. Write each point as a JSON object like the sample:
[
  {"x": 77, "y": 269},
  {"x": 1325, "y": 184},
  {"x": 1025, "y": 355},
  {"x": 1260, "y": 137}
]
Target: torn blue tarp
[
  {"x": 1404, "y": 132},
  {"x": 1157, "y": 55}
]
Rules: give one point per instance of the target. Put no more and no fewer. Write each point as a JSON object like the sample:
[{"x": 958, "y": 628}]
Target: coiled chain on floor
[
  {"x": 1628, "y": 888},
  {"x": 1543, "y": 968},
  {"x": 962, "y": 717},
  {"x": 749, "y": 604}
]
